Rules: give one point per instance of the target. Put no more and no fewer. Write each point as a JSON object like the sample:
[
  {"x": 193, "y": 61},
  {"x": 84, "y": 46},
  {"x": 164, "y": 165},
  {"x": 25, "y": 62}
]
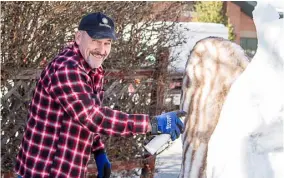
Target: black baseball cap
[{"x": 98, "y": 26}]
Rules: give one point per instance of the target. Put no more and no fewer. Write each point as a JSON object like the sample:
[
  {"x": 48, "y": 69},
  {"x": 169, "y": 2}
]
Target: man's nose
[{"x": 101, "y": 48}]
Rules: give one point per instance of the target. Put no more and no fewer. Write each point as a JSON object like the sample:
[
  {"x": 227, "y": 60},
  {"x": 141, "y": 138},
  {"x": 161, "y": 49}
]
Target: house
[{"x": 240, "y": 15}]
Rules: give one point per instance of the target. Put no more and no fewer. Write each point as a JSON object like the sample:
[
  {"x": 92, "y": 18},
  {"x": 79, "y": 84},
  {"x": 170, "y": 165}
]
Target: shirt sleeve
[{"x": 71, "y": 87}]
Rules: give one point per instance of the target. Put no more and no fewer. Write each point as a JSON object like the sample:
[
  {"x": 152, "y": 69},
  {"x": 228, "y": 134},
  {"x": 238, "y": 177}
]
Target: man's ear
[{"x": 78, "y": 37}]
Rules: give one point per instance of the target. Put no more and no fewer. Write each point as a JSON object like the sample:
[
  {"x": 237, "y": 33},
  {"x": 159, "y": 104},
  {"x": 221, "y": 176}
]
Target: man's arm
[{"x": 70, "y": 87}]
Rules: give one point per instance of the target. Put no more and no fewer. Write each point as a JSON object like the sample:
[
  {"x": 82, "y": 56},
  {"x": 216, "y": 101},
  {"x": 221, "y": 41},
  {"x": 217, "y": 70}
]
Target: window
[{"x": 249, "y": 45}]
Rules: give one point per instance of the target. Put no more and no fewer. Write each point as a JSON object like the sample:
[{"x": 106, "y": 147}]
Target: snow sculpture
[{"x": 248, "y": 139}]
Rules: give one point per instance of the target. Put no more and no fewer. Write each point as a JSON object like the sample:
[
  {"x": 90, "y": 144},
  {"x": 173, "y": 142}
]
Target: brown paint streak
[
  {"x": 205, "y": 137},
  {"x": 202, "y": 170},
  {"x": 231, "y": 68},
  {"x": 184, "y": 158},
  {"x": 188, "y": 133},
  {"x": 197, "y": 104},
  {"x": 214, "y": 84}
]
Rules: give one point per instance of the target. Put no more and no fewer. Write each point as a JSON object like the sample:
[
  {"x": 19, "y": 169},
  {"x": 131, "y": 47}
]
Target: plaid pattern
[{"x": 66, "y": 118}]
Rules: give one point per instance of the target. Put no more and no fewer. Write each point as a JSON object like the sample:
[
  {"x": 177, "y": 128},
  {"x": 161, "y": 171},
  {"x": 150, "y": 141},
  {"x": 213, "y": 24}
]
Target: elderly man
[{"x": 66, "y": 116}]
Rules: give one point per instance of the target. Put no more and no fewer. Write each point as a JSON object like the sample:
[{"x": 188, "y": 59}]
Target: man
[{"x": 66, "y": 117}]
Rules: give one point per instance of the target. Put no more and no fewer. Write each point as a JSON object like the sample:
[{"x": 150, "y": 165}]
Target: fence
[{"x": 138, "y": 91}]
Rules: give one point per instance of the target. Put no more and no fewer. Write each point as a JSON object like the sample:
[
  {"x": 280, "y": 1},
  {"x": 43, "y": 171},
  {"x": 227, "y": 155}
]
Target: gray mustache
[{"x": 97, "y": 53}]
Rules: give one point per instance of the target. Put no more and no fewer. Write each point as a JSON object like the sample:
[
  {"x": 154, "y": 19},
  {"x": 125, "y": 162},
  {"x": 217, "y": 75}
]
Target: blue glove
[
  {"x": 103, "y": 164},
  {"x": 168, "y": 123}
]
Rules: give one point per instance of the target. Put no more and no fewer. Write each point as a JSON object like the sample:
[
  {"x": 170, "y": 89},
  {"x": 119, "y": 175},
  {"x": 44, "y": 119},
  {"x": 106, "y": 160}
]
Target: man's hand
[
  {"x": 168, "y": 123},
  {"x": 103, "y": 164}
]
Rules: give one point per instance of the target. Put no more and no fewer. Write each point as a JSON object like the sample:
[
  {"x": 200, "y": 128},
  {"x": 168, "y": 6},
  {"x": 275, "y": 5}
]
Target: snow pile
[
  {"x": 248, "y": 140},
  {"x": 191, "y": 32}
]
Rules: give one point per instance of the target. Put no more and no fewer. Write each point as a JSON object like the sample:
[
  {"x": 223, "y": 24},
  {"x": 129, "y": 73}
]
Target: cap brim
[{"x": 101, "y": 35}]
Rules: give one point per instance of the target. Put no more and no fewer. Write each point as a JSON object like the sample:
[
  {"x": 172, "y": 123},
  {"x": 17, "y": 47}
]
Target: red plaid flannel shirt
[{"x": 66, "y": 117}]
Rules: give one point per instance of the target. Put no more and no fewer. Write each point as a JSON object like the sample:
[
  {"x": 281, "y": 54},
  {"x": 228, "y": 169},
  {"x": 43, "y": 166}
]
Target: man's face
[{"x": 94, "y": 51}]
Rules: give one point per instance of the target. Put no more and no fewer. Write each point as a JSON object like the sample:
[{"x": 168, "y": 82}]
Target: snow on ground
[{"x": 168, "y": 163}]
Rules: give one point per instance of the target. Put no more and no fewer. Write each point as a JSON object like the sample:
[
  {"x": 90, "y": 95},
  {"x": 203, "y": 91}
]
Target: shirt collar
[{"x": 84, "y": 64}]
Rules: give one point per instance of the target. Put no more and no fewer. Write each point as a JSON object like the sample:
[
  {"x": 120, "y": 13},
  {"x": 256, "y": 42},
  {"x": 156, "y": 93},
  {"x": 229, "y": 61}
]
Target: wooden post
[
  {"x": 158, "y": 87},
  {"x": 157, "y": 101},
  {"x": 148, "y": 170},
  {"x": 9, "y": 175}
]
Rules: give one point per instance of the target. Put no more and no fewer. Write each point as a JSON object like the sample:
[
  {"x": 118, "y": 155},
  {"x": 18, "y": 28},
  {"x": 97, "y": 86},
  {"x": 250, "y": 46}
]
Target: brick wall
[
  {"x": 234, "y": 14},
  {"x": 247, "y": 27},
  {"x": 243, "y": 24}
]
